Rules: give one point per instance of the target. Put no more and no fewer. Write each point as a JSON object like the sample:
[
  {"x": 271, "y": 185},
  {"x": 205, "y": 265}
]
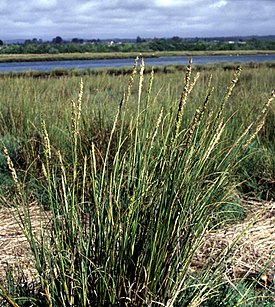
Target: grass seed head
[
  {"x": 131, "y": 80},
  {"x": 11, "y": 168},
  {"x": 183, "y": 98},
  {"x": 261, "y": 118},
  {"x": 46, "y": 140},
  {"x": 234, "y": 81}
]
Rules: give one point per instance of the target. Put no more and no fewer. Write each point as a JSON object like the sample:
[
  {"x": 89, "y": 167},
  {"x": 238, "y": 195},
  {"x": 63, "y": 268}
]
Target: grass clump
[{"x": 127, "y": 217}]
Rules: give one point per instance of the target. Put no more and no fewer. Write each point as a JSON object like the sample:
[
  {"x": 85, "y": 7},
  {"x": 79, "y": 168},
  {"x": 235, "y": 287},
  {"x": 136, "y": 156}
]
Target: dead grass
[
  {"x": 13, "y": 243},
  {"x": 253, "y": 252}
]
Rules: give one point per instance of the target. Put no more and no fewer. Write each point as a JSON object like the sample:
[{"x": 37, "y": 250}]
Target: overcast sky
[{"x": 131, "y": 18}]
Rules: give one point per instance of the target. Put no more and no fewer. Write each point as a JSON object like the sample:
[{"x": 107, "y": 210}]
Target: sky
[{"x": 45, "y": 19}]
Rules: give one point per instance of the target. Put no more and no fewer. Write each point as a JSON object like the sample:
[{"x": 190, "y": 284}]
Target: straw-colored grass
[
  {"x": 13, "y": 243},
  {"x": 254, "y": 240}
]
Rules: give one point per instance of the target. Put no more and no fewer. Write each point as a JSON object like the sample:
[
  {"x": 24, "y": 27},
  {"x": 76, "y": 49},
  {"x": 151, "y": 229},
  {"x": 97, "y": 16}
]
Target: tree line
[{"x": 58, "y": 45}]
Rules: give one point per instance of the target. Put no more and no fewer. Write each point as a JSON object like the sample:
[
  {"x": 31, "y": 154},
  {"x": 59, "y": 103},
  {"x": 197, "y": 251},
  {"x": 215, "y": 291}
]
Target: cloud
[
  {"x": 130, "y": 18},
  {"x": 44, "y": 4},
  {"x": 219, "y": 4},
  {"x": 169, "y": 3}
]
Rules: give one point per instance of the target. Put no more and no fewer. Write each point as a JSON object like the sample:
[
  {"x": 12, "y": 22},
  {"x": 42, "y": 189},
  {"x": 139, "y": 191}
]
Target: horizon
[
  {"x": 68, "y": 39},
  {"x": 107, "y": 19}
]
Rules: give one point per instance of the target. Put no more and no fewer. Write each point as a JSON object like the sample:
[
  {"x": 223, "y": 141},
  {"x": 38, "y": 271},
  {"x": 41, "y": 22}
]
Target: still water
[{"x": 161, "y": 61}]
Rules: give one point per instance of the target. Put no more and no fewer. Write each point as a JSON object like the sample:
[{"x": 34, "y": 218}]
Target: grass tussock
[{"x": 130, "y": 199}]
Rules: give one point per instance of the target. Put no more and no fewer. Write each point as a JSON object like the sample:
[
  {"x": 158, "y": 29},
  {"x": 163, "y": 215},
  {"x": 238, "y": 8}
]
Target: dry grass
[
  {"x": 13, "y": 243},
  {"x": 253, "y": 254}
]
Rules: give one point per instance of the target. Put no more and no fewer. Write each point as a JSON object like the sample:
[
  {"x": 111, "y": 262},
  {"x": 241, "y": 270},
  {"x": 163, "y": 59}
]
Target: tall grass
[{"x": 129, "y": 212}]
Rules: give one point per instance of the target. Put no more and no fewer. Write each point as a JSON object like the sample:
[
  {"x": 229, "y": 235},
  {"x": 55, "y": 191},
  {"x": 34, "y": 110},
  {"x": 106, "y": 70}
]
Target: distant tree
[
  {"x": 57, "y": 40},
  {"x": 77, "y": 40},
  {"x": 53, "y": 50},
  {"x": 176, "y": 38},
  {"x": 1, "y": 43},
  {"x": 140, "y": 40},
  {"x": 27, "y": 41},
  {"x": 15, "y": 48},
  {"x": 31, "y": 41}
]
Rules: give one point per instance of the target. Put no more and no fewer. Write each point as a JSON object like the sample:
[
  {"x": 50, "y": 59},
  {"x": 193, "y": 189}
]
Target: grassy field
[{"x": 134, "y": 172}]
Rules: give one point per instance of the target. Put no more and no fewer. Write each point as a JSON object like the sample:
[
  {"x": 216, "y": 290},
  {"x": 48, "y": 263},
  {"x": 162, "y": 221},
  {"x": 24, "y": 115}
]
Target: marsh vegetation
[{"x": 133, "y": 171}]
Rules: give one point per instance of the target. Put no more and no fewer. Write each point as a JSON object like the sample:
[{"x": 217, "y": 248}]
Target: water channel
[{"x": 154, "y": 61}]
